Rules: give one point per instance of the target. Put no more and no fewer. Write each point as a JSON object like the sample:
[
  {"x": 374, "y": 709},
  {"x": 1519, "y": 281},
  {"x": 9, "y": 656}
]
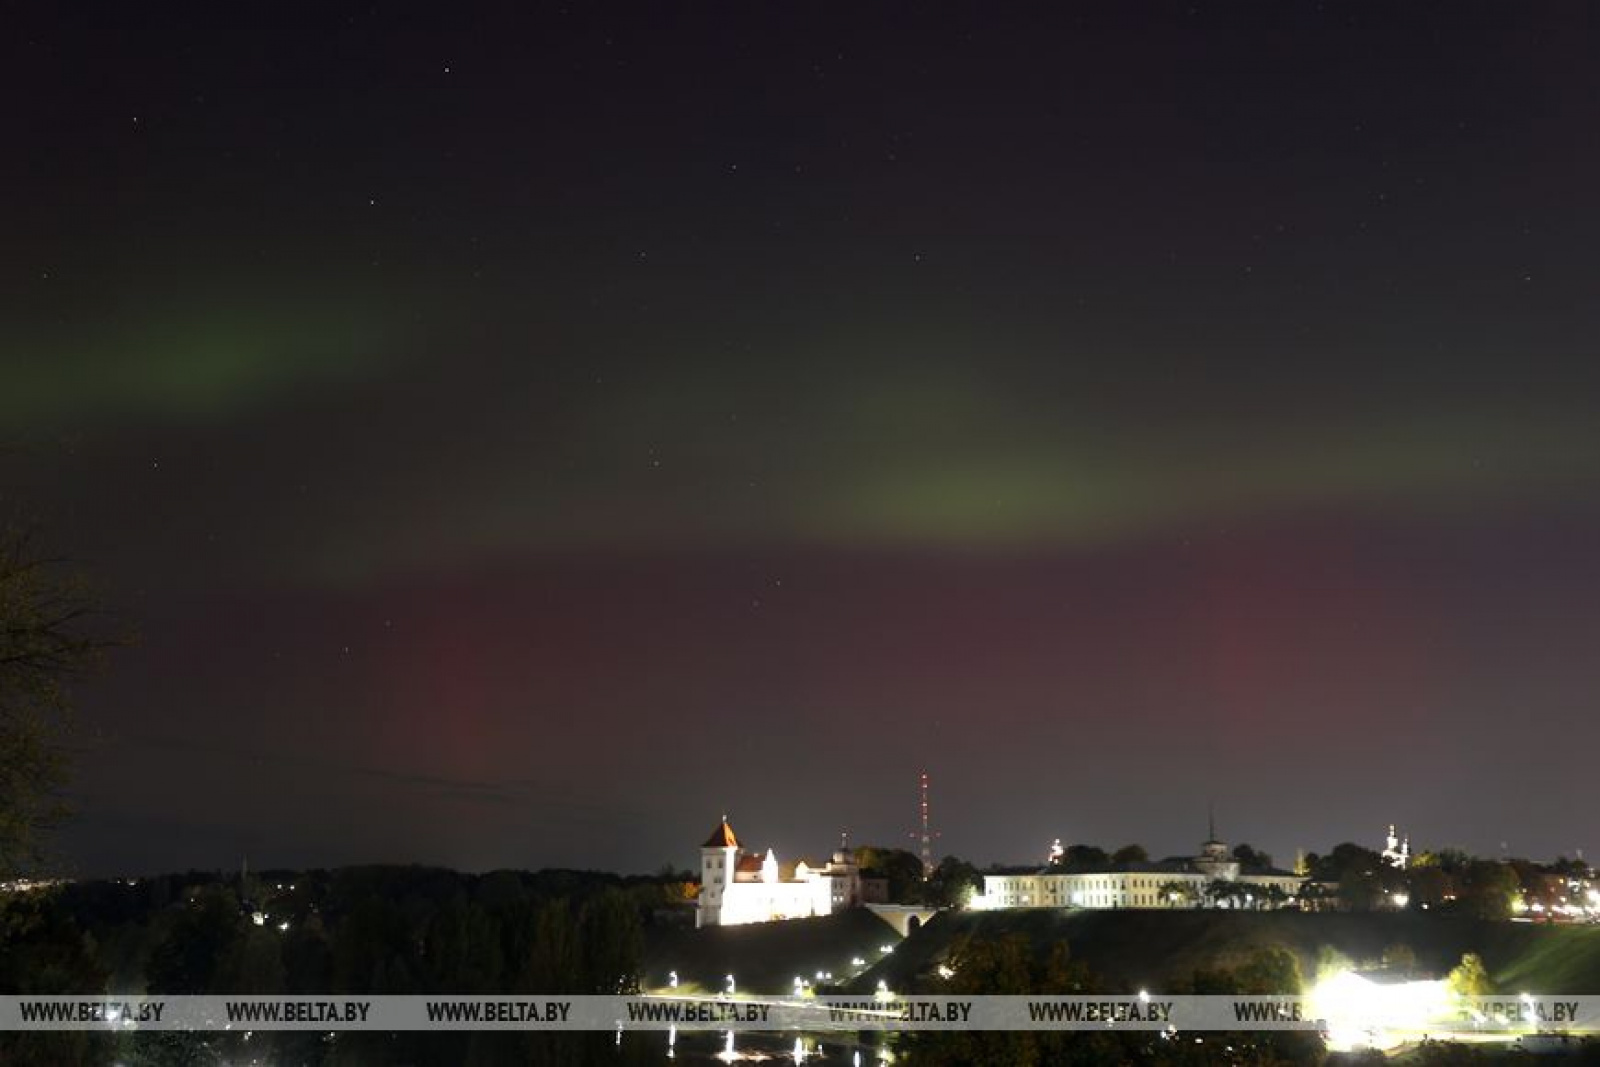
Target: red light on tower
[{"x": 925, "y": 834}]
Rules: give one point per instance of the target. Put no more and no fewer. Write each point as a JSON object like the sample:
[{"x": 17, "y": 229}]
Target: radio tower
[{"x": 925, "y": 834}]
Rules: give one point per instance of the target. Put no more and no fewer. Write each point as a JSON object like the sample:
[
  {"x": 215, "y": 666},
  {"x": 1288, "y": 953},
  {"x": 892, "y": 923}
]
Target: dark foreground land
[
  {"x": 412, "y": 930},
  {"x": 1147, "y": 949}
]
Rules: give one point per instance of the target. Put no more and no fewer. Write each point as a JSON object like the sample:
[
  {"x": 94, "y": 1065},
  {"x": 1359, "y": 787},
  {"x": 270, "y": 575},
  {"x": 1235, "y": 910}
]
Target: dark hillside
[
  {"x": 1149, "y": 948},
  {"x": 766, "y": 957}
]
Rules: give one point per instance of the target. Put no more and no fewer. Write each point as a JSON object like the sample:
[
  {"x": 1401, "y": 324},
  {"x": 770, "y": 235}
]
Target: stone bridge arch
[{"x": 906, "y": 919}]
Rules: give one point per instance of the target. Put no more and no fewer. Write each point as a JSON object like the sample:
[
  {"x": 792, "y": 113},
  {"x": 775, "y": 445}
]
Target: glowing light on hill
[{"x": 1361, "y": 1013}]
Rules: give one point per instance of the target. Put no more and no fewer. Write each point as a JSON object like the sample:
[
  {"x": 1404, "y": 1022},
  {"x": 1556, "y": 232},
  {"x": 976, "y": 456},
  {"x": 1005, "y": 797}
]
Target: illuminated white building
[
  {"x": 1177, "y": 882},
  {"x": 738, "y": 887},
  {"x": 1397, "y": 850}
]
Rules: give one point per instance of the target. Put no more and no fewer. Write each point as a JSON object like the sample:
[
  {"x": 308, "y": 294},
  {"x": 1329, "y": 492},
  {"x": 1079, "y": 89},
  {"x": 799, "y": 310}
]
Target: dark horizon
[{"x": 519, "y": 435}]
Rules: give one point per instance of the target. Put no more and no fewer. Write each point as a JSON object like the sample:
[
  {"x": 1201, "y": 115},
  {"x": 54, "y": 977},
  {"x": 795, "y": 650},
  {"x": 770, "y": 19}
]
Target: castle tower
[
  {"x": 845, "y": 875},
  {"x": 719, "y": 858}
]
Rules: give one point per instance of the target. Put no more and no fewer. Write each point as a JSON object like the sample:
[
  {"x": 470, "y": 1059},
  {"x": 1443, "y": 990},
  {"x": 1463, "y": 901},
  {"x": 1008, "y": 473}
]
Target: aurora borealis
[{"x": 519, "y": 435}]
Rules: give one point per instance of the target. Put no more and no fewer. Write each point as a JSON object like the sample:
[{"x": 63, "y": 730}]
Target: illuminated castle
[{"x": 738, "y": 887}]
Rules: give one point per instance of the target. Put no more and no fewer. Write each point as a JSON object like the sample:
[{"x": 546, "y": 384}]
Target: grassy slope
[
  {"x": 1139, "y": 948},
  {"x": 1570, "y": 963},
  {"x": 764, "y": 958}
]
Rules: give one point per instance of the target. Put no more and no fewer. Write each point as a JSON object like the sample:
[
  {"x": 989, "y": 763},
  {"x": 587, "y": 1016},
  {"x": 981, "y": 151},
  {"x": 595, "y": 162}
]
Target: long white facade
[{"x": 1173, "y": 883}]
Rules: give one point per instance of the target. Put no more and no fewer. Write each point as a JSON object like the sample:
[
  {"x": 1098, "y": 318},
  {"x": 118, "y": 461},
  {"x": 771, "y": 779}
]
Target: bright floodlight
[{"x": 1361, "y": 1013}]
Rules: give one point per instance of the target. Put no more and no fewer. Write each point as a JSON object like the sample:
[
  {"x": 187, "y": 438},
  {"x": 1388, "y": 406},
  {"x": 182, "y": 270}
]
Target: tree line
[
  {"x": 1445, "y": 882},
  {"x": 1352, "y": 877},
  {"x": 370, "y": 930}
]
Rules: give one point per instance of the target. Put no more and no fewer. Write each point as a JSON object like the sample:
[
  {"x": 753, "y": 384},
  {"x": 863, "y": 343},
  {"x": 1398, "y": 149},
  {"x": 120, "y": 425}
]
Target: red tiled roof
[
  {"x": 722, "y": 837},
  {"x": 750, "y": 864}
]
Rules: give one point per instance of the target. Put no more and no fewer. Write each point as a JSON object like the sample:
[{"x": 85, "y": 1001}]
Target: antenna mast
[{"x": 925, "y": 827}]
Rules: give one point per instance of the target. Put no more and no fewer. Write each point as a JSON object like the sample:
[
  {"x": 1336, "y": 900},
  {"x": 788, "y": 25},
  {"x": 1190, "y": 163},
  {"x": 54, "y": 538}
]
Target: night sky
[{"x": 519, "y": 433}]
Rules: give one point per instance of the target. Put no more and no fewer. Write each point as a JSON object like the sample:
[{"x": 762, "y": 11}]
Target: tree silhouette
[{"x": 47, "y": 640}]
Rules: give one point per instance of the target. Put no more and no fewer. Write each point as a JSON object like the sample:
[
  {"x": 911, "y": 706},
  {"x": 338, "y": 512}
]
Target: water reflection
[{"x": 709, "y": 1047}]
